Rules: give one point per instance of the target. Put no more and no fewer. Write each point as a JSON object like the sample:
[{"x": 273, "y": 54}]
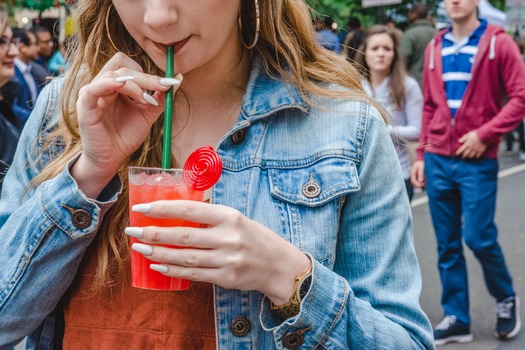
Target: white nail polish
[
  {"x": 179, "y": 77},
  {"x": 141, "y": 208},
  {"x": 142, "y": 248},
  {"x": 136, "y": 232},
  {"x": 159, "y": 268},
  {"x": 149, "y": 99},
  {"x": 169, "y": 81},
  {"x": 123, "y": 79}
]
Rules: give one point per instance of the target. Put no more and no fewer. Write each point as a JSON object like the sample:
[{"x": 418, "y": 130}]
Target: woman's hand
[
  {"x": 114, "y": 118},
  {"x": 232, "y": 251},
  {"x": 417, "y": 174}
]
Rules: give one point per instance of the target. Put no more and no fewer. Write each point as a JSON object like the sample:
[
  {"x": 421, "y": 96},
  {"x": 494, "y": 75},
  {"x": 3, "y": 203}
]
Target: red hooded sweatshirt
[{"x": 498, "y": 71}]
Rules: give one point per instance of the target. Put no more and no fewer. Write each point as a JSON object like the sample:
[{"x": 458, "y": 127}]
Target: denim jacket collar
[{"x": 266, "y": 94}]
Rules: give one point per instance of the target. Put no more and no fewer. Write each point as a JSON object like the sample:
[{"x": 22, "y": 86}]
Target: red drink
[{"x": 148, "y": 185}]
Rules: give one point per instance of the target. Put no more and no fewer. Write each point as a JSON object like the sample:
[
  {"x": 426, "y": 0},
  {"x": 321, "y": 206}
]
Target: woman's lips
[{"x": 178, "y": 45}]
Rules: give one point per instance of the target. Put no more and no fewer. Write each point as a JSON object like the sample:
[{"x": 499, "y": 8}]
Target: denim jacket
[{"x": 323, "y": 175}]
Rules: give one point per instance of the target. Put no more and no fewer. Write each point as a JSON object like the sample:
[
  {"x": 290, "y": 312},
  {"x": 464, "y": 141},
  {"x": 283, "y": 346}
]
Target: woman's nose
[
  {"x": 160, "y": 14},
  {"x": 13, "y": 50}
]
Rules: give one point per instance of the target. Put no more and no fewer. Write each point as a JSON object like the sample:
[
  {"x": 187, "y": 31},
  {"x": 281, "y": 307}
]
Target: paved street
[{"x": 510, "y": 218}]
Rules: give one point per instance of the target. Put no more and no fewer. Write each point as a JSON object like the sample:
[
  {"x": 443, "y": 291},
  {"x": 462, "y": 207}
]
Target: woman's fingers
[
  {"x": 145, "y": 81},
  {"x": 182, "y": 236},
  {"x": 209, "y": 275},
  {"x": 119, "y": 60},
  {"x": 123, "y": 70},
  {"x": 122, "y": 75},
  {"x": 194, "y": 264},
  {"x": 199, "y": 258},
  {"x": 188, "y": 210},
  {"x": 133, "y": 86}
]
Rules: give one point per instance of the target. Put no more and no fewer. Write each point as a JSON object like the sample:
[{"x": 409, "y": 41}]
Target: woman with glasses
[{"x": 9, "y": 132}]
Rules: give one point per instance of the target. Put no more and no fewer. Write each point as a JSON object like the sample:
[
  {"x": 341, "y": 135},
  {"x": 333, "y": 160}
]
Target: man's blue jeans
[{"x": 462, "y": 201}]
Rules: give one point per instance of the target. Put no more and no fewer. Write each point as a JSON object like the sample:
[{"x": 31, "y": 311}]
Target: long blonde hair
[{"x": 286, "y": 47}]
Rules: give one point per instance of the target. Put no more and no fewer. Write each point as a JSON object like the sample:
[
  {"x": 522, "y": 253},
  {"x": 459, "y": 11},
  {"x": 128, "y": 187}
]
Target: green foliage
[
  {"x": 341, "y": 10},
  {"x": 499, "y": 4},
  {"x": 40, "y": 5}
]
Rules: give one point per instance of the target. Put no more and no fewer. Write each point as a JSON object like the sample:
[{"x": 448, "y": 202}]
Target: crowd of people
[
  {"x": 24, "y": 54},
  {"x": 444, "y": 91},
  {"x": 300, "y": 242}
]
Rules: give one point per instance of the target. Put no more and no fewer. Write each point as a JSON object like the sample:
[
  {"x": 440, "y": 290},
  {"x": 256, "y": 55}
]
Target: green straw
[{"x": 168, "y": 112}]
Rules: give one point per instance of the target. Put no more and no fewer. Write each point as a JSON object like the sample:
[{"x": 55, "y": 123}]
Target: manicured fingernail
[
  {"x": 136, "y": 232},
  {"x": 169, "y": 81},
  {"x": 142, "y": 248},
  {"x": 123, "y": 79},
  {"x": 149, "y": 99},
  {"x": 141, "y": 208},
  {"x": 179, "y": 77},
  {"x": 159, "y": 268}
]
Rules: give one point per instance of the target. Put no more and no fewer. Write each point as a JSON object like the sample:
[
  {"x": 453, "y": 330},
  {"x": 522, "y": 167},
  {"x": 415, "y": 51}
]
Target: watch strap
[{"x": 293, "y": 307}]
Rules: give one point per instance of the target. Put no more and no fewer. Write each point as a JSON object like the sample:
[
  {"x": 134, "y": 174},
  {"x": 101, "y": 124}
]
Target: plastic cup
[{"x": 148, "y": 185}]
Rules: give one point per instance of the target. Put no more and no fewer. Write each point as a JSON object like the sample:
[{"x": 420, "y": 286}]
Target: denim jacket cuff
[
  {"x": 321, "y": 309},
  {"x": 70, "y": 210}
]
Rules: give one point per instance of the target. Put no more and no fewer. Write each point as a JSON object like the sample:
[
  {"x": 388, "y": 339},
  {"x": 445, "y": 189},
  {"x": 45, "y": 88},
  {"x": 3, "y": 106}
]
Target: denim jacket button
[
  {"x": 240, "y": 326},
  {"x": 293, "y": 340},
  {"x": 238, "y": 136},
  {"x": 81, "y": 218},
  {"x": 311, "y": 189}
]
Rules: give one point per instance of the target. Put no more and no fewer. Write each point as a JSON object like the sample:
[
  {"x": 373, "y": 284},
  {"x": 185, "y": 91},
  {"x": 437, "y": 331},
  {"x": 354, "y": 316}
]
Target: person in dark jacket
[
  {"x": 46, "y": 46},
  {"x": 416, "y": 38},
  {"x": 328, "y": 37},
  {"x": 9, "y": 131},
  {"x": 470, "y": 68},
  {"x": 25, "y": 77},
  {"x": 353, "y": 39}
]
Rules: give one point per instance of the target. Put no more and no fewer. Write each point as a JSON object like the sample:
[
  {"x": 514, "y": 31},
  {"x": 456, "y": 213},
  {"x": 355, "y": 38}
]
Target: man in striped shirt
[
  {"x": 458, "y": 57},
  {"x": 470, "y": 68}
]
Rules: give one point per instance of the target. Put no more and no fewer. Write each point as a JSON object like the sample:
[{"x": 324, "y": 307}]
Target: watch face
[{"x": 305, "y": 287}]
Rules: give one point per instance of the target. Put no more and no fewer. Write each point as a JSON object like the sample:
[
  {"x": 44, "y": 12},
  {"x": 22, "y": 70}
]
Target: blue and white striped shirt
[{"x": 458, "y": 58}]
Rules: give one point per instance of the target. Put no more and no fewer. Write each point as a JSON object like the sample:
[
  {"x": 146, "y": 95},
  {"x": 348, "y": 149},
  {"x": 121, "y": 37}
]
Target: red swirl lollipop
[{"x": 203, "y": 168}]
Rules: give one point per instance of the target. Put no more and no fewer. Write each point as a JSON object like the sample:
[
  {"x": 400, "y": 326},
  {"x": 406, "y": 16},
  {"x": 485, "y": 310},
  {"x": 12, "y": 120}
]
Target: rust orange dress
[{"x": 124, "y": 317}]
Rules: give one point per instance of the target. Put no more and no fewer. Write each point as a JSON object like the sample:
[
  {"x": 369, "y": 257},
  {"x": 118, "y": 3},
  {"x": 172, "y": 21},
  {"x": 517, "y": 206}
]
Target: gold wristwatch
[{"x": 292, "y": 308}]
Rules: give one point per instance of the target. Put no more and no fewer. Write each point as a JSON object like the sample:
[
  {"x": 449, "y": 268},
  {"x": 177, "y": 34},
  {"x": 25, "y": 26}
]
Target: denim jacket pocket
[
  {"x": 314, "y": 184},
  {"x": 311, "y": 197}
]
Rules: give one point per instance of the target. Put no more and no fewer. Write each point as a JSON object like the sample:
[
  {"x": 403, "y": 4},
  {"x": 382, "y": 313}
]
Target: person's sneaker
[
  {"x": 451, "y": 330},
  {"x": 509, "y": 323}
]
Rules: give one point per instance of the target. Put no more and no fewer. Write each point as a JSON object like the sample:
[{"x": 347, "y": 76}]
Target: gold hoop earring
[
  {"x": 111, "y": 40},
  {"x": 257, "y": 26}
]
